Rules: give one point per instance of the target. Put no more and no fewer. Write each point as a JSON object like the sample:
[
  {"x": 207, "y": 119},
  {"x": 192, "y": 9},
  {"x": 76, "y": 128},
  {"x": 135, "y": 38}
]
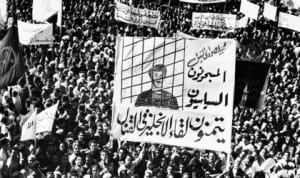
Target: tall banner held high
[
  {"x": 42, "y": 10},
  {"x": 12, "y": 63},
  {"x": 249, "y": 9},
  {"x": 136, "y": 16},
  {"x": 3, "y": 13},
  {"x": 175, "y": 91},
  {"x": 45, "y": 119},
  {"x": 203, "y": 1},
  {"x": 270, "y": 11},
  {"x": 289, "y": 21},
  {"x": 214, "y": 21},
  {"x": 35, "y": 34},
  {"x": 28, "y": 128}
]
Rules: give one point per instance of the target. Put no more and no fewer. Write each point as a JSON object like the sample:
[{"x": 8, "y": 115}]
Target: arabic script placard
[{"x": 175, "y": 91}]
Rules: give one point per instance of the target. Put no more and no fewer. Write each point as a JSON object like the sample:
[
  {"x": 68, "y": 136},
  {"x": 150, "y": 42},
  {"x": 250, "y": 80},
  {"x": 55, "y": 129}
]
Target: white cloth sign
[
  {"x": 214, "y": 21},
  {"x": 249, "y": 9},
  {"x": 203, "y": 1},
  {"x": 44, "y": 9},
  {"x": 270, "y": 11},
  {"x": 29, "y": 128},
  {"x": 45, "y": 119},
  {"x": 242, "y": 23},
  {"x": 3, "y": 13},
  {"x": 136, "y": 16},
  {"x": 35, "y": 34},
  {"x": 289, "y": 21},
  {"x": 184, "y": 99}
]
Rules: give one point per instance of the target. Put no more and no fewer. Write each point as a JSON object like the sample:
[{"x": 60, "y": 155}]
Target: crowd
[{"x": 78, "y": 71}]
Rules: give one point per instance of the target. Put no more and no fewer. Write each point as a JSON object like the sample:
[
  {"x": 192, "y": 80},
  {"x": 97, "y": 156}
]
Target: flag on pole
[
  {"x": 11, "y": 60},
  {"x": 29, "y": 128},
  {"x": 45, "y": 119},
  {"x": 249, "y": 9},
  {"x": 42, "y": 10}
]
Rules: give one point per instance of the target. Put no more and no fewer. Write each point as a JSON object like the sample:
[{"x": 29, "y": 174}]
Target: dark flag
[
  {"x": 11, "y": 61},
  {"x": 251, "y": 84}
]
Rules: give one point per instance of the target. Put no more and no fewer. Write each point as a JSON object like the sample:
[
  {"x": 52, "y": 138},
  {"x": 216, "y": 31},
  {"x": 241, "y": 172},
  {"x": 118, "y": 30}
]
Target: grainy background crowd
[{"x": 78, "y": 71}]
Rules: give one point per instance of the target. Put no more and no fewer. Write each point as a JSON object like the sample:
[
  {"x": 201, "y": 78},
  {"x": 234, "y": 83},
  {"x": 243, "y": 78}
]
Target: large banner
[
  {"x": 249, "y": 9},
  {"x": 136, "y": 16},
  {"x": 35, "y": 34},
  {"x": 175, "y": 91},
  {"x": 42, "y": 10},
  {"x": 203, "y": 1},
  {"x": 214, "y": 21},
  {"x": 289, "y": 21}
]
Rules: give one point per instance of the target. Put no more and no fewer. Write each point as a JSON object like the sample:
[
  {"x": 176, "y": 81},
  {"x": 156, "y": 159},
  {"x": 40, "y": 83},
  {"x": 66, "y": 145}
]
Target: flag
[
  {"x": 249, "y": 9},
  {"x": 11, "y": 60},
  {"x": 29, "y": 128},
  {"x": 35, "y": 34},
  {"x": 42, "y": 10},
  {"x": 45, "y": 119}
]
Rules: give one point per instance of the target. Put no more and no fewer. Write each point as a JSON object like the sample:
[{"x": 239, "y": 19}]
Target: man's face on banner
[{"x": 157, "y": 79}]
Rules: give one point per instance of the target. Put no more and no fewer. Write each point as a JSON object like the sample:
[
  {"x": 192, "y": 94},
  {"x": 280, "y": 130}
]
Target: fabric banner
[
  {"x": 249, "y": 9},
  {"x": 242, "y": 23},
  {"x": 203, "y": 1},
  {"x": 136, "y": 16},
  {"x": 270, "y": 11},
  {"x": 175, "y": 91},
  {"x": 45, "y": 119},
  {"x": 291, "y": 4},
  {"x": 12, "y": 63},
  {"x": 29, "y": 127},
  {"x": 35, "y": 34},
  {"x": 250, "y": 89},
  {"x": 3, "y": 13},
  {"x": 289, "y": 21},
  {"x": 214, "y": 21},
  {"x": 42, "y": 10}
]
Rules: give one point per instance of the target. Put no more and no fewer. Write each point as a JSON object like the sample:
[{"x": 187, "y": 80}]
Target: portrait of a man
[{"x": 156, "y": 96}]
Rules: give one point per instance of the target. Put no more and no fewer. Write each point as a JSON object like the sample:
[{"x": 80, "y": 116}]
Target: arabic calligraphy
[
  {"x": 214, "y": 21},
  {"x": 147, "y": 122},
  {"x": 194, "y": 100},
  {"x": 137, "y": 16}
]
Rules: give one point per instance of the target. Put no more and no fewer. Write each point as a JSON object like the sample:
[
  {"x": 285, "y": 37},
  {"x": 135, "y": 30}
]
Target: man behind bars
[{"x": 156, "y": 96}]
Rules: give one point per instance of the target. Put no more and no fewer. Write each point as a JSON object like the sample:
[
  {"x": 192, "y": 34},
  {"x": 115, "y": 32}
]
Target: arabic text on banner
[
  {"x": 45, "y": 119},
  {"x": 136, "y": 16},
  {"x": 203, "y": 1},
  {"x": 28, "y": 128},
  {"x": 214, "y": 21},
  {"x": 42, "y": 10},
  {"x": 270, "y": 11},
  {"x": 35, "y": 34},
  {"x": 289, "y": 21},
  {"x": 193, "y": 106},
  {"x": 249, "y": 9}
]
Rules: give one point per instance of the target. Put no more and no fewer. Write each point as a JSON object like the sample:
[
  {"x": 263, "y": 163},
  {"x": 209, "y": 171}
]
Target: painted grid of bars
[{"x": 140, "y": 54}]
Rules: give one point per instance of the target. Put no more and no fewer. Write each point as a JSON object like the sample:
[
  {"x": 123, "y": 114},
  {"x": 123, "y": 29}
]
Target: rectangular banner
[
  {"x": 289, "y": 21},
  {"x": 136, "y": 16},
  {"x": 214, "y": 21},
  {"x": 249, "y": 9},
  {"x": 42, "y": 10},
  {"x": 3, "y": 13},
  {"x": 175, "y": 91},
  {"x": 251, "y": 86},
  {"x": 203, "y": 1},
  {"x": 270, "y": 11},
  {"x": 35, "y": 34}
]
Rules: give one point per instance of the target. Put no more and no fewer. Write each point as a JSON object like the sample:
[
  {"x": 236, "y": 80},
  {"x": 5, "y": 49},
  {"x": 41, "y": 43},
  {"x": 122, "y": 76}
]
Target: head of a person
[{"x": 157, "y": 73}]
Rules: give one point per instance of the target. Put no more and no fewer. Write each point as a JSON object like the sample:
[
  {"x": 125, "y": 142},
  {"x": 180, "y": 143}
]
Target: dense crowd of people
[{"x": 78, "y": 71}]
